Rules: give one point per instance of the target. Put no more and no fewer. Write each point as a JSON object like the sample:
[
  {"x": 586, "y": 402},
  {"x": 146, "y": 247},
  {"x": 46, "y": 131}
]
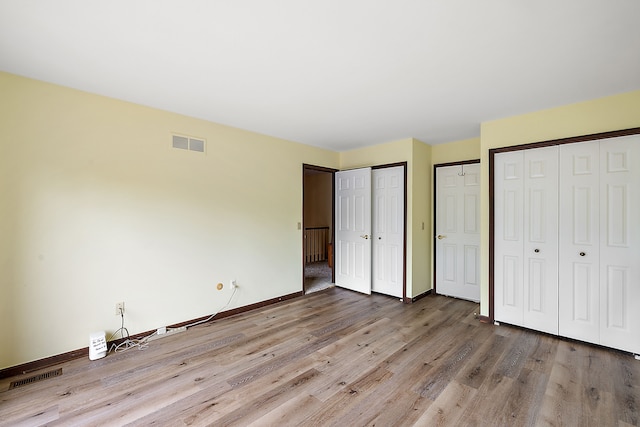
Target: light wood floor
[{"x": 344, "y": 359}]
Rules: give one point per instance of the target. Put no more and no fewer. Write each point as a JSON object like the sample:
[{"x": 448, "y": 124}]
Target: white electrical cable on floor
[
  {"x": 143, "y": 343},
  {"x": 235, "y": 288},
  {"x": 128, "y": 342}
]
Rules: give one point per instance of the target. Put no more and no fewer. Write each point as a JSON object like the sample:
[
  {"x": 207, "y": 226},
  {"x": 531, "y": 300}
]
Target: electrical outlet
[
  {"x": 233, "y": 284},
  {"x": 119, "y": 308}
]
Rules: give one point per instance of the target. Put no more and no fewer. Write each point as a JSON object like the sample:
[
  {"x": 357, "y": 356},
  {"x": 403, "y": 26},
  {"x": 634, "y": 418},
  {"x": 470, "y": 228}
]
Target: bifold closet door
[
  {"x": 387, "y": 219},
  {"x": 567, "y": 240},
  {"x": 580, "y": 241},
  {"x": 508, "y": 240},
  {"x": 620, "y": 243},
  {"x": 600, "y": 251},
  {"x": 541, "y": 239},
  {"x": 526, "y": 238}
]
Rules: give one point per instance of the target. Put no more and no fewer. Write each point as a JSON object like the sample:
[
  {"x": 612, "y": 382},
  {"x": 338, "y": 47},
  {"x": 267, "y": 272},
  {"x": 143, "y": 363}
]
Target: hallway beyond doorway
[{"x": 317, "y": 276}]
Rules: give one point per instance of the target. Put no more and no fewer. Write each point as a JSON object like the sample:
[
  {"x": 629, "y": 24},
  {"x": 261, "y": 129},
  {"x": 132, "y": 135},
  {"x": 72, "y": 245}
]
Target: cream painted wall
[
  {"x": 417, "y": 156},
  {"x": 599, "y": 115},
  {"x": 97, "y": 208},
  {"x": 456, "y": 151},
  {"x": 421, "y": 224}
]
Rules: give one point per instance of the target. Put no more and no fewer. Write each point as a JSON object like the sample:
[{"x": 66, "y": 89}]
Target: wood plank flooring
[{"x": 344, "y": 359}]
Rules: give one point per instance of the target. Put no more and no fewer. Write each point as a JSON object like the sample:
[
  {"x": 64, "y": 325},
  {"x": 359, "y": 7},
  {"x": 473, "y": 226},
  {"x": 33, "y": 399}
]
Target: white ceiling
[{"x": 338, "y": 74}]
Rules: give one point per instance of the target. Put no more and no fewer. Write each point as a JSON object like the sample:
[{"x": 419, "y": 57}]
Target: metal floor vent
[{"x": 36, "y": 378}]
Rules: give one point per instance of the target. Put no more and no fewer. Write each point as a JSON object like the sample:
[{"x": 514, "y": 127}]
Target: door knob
[
  {"x": 379, "y": 238},
  {"x": 536, "y": 250},
  {"x": 582, "y": 253},
  {"x": 440, "y": 236},
  {"x": 365, "y": 236}
]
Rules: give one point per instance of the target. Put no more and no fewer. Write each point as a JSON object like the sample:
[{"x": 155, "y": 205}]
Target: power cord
[
  {"x": 128, "y": 342},
  {"x": 199, "y": 322},
  {"x": 122, "y": 329},
  {"x": 143, "y": 343}
]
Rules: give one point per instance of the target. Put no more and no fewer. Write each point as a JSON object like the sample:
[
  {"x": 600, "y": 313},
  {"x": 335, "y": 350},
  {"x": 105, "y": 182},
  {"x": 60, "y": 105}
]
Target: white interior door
[
  {"x": 353, "y": 230},
  {"x": 508, "y": 237},
  {"x": 540, "y": 256},
  {"x": 388, "y": 231},
  {"x": 579, "y": 276},
  {"x": 458, "y": 231},
  {"x": 526, "y": 238},
  {"x": 619, "y": 297}
]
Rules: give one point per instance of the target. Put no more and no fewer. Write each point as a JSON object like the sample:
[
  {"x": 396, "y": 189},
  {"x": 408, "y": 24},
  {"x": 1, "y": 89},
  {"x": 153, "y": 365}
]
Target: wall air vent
[
  {"x": 180, "y": 142},
  {"x": 188, "y": 143},
  {"x": 196, "y": 145}
]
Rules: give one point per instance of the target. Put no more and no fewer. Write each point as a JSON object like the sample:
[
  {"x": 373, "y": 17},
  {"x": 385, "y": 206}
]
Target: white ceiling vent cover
[{"x": 187, "y": 143}]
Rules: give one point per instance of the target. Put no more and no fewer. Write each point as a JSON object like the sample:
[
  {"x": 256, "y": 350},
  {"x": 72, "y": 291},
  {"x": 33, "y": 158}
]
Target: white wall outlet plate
[{"x": 119, "y": 308}]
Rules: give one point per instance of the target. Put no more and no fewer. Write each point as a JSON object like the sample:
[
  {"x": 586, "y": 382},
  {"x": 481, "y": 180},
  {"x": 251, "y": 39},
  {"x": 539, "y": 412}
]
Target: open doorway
[{"x": 318, "y": 231}]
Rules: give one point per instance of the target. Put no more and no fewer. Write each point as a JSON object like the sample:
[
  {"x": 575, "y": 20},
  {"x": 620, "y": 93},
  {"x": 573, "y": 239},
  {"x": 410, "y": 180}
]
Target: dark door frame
[
  {"x": 435, "y": 208},
  {"x": 306, "y": 167},
  {"x": 321, "y": 169}
]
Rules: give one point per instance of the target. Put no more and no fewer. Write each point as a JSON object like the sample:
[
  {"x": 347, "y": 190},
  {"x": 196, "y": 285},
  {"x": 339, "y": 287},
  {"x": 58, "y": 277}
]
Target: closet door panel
[
  {"x": 578, "y": 287},
  {"x": 508, "y": 238},
  {"x": 619, "y": 243},
  {"x": 388, "y": 231},
  {"x": 541, "y": 239}
]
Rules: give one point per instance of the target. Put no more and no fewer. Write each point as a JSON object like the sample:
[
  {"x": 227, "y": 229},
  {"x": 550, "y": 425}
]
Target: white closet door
[
  {"x": 353, "y": 230},
  {"x": 540, "y": 266},
  {"x": 388, "y": 231},
  {"x": 508, "y": 237},
  {"x": 579, "y": 241},
  {"x": 570, "y": 261},
  {"x": 620, "y": 243},
  {"x": 458, "y": 231}
]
